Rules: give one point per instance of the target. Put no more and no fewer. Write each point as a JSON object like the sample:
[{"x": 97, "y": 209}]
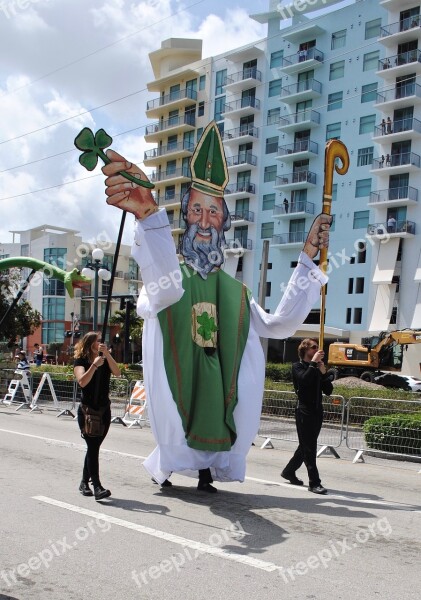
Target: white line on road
[{"x": 168, "y": 537}]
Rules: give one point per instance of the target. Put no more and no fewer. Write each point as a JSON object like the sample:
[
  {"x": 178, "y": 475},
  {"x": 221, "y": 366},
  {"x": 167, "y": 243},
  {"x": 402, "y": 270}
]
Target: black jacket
[{"x": 309, "y": 384}]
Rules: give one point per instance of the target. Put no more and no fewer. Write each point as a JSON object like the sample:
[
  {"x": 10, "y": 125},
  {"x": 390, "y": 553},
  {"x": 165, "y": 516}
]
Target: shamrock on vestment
[{"x": 207, "y": 326}]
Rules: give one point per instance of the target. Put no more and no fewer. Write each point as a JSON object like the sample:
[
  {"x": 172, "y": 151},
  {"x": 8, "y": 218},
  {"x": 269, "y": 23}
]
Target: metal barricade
[
  {"x": 278, "y": 420},
  {"x": 119, "y": 394},
  {"x": 54, "y": 391},
  {"x": 398, "y": 440}
]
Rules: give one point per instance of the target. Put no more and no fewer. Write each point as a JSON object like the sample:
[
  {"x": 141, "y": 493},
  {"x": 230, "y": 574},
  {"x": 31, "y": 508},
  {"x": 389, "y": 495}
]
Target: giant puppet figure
[{"x": 203, "y": 363}]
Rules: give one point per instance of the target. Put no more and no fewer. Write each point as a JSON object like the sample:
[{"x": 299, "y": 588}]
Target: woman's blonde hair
[{"x": 83, "y": 349}]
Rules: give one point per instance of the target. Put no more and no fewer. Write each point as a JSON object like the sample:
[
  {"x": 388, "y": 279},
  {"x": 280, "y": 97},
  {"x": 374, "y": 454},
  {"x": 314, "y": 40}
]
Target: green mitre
[{"x": 208, "y": 164}]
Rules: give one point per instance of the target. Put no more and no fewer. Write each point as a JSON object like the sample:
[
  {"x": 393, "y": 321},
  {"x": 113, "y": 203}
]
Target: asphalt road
[{"x": 263, "y": 539}]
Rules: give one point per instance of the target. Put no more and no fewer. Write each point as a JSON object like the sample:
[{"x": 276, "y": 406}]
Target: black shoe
[
  {"x": 317, "y": 489},
  {"x": 166, "y": 483},
  {"x": 293, "y": 479},
  {"x": 101, "y": 493},
  {"x": 84, "y": 489},
  {"x": 206, "y": 487}
]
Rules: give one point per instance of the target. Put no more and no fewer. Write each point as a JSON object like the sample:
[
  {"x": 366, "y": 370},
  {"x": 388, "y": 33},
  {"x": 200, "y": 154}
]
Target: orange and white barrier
[{"x": 136, "y": 408}]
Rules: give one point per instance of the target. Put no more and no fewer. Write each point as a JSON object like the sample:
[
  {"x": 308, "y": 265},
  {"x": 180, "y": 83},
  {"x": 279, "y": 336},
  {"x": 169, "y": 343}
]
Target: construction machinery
[{"x": 372, "y": 356}]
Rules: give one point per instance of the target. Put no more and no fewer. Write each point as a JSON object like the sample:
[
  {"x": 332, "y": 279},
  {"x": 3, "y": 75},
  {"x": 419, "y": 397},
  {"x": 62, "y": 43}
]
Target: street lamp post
[{"x": 96, "y": 271}]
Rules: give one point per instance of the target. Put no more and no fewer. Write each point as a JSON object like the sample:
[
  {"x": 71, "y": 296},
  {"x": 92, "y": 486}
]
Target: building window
[
  {"x": 272, "y": 145},
  {"x": 133, "y": 269},
  {"x": 337, "y": 70},
  {"x": 221, "y": 81},
  {"x": 334, "y": 101},
  {"x": 201, "y": 109},
  {"x": 362, "y": 188},
  {"x": 275, "y": 87},
  {"x": 219, "y": 108},
  {"x": 52, "y": 287},
  {"x": 269, "y": 174},
  {"x": 53, "y": 309},
  {"x": 202, "y": 82},
  {"x": 361, "y": 252},
  {"x": 199, "y": 133},
  {"x": 371, "y": 60},
  {"x": 365, "y": 156},
  {"x": 338, "y": 39},
  {"x": 361, "y": 219},
  {"x": 334, "y": 192},
  {"x": 348, "y": 315},
  {"x": 24, "y": 250},
  {"x": 52, "y": 332},
  {"x": 394, "y": 316},
  {"x": 171, "y": 167},
  {"x": 367, "y": 124},
  {"x": 369, "y": 92},
  {"x": 268, "y": 288},
  {"x": 267, "y": 230},
  {"x": 170, "y": 192},
  {"x": 359, "y": 285},
  {"x": 333, "y": 131},
  {"x": 333, "y": 224},
  {"x": 358, "y": 313},
  {"x": 268, "y": 201},
  {"x": 276, "y": 59},
  {"x": 350, "y": 285},
  {"x": 372, "y": 29},
  {"x": 273, "y": 116}
]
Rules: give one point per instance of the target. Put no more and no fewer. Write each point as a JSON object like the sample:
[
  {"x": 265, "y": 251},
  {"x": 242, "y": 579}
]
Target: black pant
[
  {"x": 308, "y": 429},
  {"x": 91, "y": 464},
  {"x": 205, "y": 476}
]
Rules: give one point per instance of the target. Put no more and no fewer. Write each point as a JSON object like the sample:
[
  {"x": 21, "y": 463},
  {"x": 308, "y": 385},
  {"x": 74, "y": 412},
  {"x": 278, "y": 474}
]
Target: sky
[{"x": 69, "y": 64}]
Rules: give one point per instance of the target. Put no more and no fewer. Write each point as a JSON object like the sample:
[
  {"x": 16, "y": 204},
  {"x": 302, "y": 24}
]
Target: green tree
[{"x": 23, "y": 320}]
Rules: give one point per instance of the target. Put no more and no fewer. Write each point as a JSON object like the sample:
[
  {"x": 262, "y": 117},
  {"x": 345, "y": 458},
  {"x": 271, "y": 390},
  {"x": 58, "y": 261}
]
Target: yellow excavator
[{"x": 366, "y": 360}]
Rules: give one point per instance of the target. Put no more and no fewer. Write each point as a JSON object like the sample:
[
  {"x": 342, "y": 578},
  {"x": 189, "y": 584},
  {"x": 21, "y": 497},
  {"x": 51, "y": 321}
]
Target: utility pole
[{"x": 262, "y": 287}]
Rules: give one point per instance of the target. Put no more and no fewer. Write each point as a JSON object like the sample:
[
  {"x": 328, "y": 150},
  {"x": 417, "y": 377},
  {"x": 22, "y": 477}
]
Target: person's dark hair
[
  {"x": 305, "y": 345},
  {"x": 83, "y": 349}
]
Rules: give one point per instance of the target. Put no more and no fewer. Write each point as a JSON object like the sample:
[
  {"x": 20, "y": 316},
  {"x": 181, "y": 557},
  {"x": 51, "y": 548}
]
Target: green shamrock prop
[
  {"x": 207, "y": 326},
  {"x": 92, "y": 147}
]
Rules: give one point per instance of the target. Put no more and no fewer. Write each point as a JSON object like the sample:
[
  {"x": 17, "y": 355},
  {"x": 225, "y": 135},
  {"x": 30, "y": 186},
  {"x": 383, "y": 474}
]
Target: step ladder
[{"x": 25, "y": 385}]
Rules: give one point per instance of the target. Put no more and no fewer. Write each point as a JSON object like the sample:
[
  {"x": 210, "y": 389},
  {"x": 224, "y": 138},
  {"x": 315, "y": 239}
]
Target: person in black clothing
[
  {"x": 93, "y": 366},
  {"x": 310, "y": 380}
]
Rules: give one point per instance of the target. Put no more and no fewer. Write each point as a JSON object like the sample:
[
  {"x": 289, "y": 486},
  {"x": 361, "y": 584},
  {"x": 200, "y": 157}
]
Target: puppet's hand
[
  {"x": 126, "y": 194},
  {"x": 318, "y": 236}
]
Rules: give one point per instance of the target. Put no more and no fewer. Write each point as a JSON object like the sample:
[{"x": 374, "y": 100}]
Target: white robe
[{"x": 155, "y": 253}]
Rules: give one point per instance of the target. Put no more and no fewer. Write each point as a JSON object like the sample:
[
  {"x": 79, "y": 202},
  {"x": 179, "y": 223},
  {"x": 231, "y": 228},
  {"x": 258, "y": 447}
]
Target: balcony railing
[
  {"x": 246, "y": 102},
  {"x": 162, "y": 175},
  {"x": 242, "y": 215},
  {"x": 292, "y": 237},
  {"x": 163, "y": 150},
  {"x": 186, "y": 119},
  {"x": 397, "y": 227},
  {"x": 235, "y": 188},
  {"x": 172, "y": 97},
  {"x": 407, "y": 124},
  {"x": 300, "y": 117},
  {"x": 169, "y": 199},
  {"x": 239, "y": 244},
  {"x": 397, "y": 60},
  {"x": 299, "y": 146},
  {"x": 250, "y": 73},
  {"x": 400, "y": 26},
  {"x": 397, "y": 160},
  {"x": 294, "y": 207},
  {"x": 240, "y": 132},
  {"x": 302, "y": 56},
  {"x": 302, "y": 86},
  {"x": 243, "y": 158},
  {"x": 399, "y": 193},
  {"x": 400, "y": 91},
  {"x": 177, "y": 224},
  {"x": 296, "y": 177}
]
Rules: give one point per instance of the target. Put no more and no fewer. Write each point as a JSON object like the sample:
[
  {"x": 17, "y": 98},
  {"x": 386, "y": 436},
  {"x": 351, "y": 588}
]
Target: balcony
[
  {"x": 154, "y": 157},
  {"x": 177, "y": 225},
  {"x": 243, "y": 80},
  {"x": 299, "y": 150},
  {"x": 394, "y": 197},
  {"x": 400, "y": 229},
  {"x": 400, "y": 32},
  {"x": 400, "y": 96},
  {"x": 299, "y": 121},
  {"x": 170, "y": 201},
  {"x": 238, "y": 245},
  {"x": 182, "y": 175},
  {"x": 245, "y": 106},
  {"x": 299, "y": 62},
  {"x": 402, "y": 129},
  {"x": 179, "y": 99},
  {"x": 243, "y": 134},
  {"x": 396, "y": 4},
  {"x": 406, "y": 63},
  {"x": 238, "y": 190},
  {"x": 406, "y": 162},
  {"x": 241, "y": 217},
  {"x": 237, "y": 162},
  {"x": 301, "y": 91},
  {"x": 172, "y": 126},
  {"x": 293, "y": 209},
  {"x": 291, "y": 239},
  {"x": 296, "y": 181}
]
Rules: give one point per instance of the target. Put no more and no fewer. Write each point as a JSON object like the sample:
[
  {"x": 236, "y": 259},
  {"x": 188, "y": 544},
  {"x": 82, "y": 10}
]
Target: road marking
[{"x": 168, "y": 537}]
